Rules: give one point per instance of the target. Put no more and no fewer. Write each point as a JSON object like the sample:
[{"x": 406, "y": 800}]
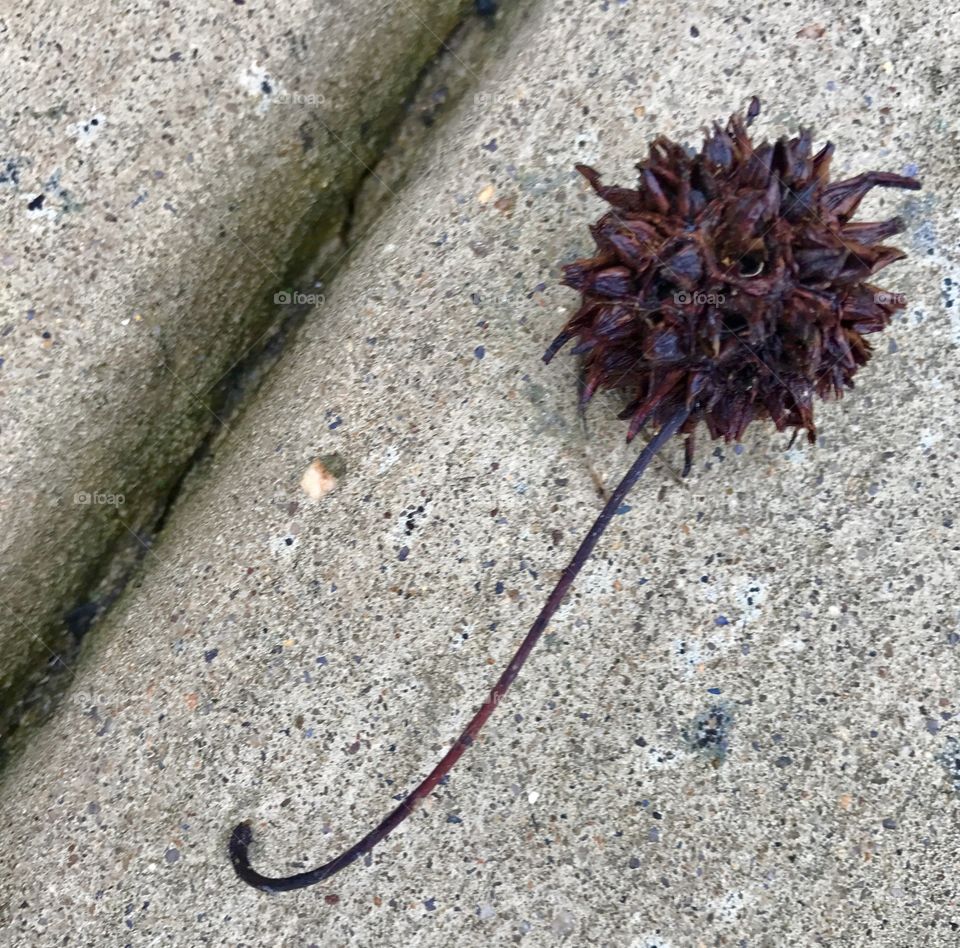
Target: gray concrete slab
[
  {"x": 162, "y": 173},
  {"x": 300, "y": 662}
]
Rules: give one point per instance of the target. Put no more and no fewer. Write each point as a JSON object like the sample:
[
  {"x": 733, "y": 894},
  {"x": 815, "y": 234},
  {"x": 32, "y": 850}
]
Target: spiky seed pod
[
  {"x": 764, "y": 231},
  {"x": 731, "y": 281}
]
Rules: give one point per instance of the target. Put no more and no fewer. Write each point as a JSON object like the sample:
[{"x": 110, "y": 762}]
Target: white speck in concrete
[
  {"x": 750, "y": 597},
  {"x": 87, "y": 131},
  {"x": 929, "y": 437},
  {"x": 258, "y": 83},
  {"x": 390, "y": 457},
  {"x": 283, "y": 545},
  {"x": 563, "y": 923}
]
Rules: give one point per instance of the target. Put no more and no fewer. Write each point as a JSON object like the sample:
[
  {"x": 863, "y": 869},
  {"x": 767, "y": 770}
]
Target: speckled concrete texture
[
  {"x": 160, "y": 168},
  {"x": 740, "y": 728}
]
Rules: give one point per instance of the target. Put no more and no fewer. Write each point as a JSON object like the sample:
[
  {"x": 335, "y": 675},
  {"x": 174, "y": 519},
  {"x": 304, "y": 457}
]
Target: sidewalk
[
  {"x": 740, "y": 728},
  {"x": 161, "y": 176}
]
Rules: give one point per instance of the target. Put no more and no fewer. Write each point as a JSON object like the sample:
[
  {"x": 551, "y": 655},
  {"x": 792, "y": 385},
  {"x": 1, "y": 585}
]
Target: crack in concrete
[{"x": 324, "y": 250}]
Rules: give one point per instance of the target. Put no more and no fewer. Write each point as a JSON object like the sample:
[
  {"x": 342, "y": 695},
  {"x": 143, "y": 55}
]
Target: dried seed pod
[
  {"x": 727, "y": 287},
  {"x": 731, "y": 281}
]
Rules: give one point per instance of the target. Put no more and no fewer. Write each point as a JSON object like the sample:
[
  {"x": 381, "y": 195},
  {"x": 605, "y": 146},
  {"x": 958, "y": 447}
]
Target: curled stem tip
[{"x": 242, "y": 835}]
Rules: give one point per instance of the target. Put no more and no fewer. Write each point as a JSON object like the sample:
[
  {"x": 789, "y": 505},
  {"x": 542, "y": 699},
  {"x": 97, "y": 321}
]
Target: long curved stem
[{"x": 243, "y": 835}]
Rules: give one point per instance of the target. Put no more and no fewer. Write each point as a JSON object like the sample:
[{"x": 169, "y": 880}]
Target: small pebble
[{"x": 317, "y": 480}]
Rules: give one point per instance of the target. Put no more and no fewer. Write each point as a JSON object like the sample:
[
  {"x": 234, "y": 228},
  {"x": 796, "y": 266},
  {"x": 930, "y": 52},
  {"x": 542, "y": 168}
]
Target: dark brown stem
[{"x": 242, "y": 835}]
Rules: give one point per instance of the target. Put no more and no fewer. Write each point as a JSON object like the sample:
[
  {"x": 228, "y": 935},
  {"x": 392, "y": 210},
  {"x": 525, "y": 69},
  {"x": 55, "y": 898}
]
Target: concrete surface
[
  {"x": 741, "y": 728},
  {"x": 162, "y": 173}
]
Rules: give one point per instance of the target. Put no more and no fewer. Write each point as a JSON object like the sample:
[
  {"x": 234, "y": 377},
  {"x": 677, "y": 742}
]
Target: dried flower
[
  {"x": 731, "y": 281},
  {"x": 728, "y": 287}
]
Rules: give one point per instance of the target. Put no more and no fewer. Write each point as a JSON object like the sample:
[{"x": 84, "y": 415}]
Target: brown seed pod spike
[{"x": 731, "y": 281}]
